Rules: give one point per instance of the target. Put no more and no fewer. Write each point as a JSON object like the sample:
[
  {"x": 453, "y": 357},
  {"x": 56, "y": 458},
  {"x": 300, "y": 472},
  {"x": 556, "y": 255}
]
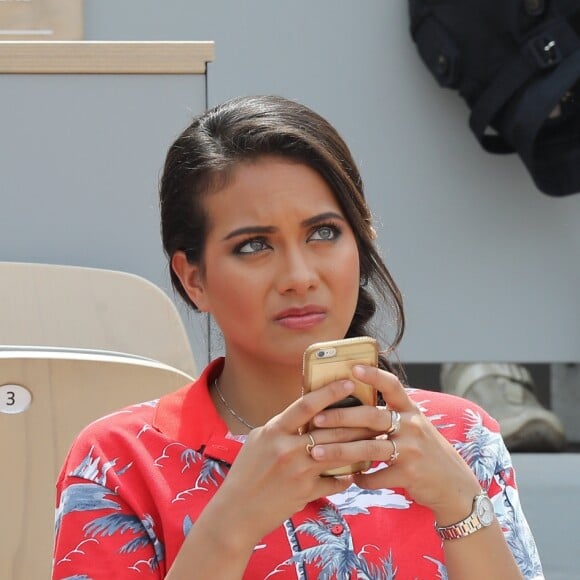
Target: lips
[{"x": 301, "y": 318}]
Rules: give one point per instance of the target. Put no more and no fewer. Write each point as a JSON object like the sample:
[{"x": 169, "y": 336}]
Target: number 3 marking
[{"x": 14, "y": 399}]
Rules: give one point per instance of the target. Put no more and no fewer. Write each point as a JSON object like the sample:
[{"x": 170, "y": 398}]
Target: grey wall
[
  {"x": 80, "y": 157},
  {"x": 488, "y": 265},
  {"x": 548, "y": 486}
]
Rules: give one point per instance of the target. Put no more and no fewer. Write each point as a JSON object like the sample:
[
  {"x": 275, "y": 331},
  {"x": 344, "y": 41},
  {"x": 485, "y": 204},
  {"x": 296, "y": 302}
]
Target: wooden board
[
  {"x": 41, "y": 19},
  {"x": 105, "y": 57}
]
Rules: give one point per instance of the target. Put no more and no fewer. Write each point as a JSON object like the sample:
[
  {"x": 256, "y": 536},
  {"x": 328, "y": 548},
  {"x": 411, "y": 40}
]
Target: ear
[{"x": 191, "y": 278}]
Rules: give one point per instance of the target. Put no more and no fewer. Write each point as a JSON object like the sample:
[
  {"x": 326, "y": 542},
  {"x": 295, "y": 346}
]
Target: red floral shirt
[{"x": 135, "y": 482}]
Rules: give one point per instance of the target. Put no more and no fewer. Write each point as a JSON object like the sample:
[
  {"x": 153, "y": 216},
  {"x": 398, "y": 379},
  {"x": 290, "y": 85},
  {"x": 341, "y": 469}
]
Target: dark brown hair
[{"x": 245, "y": 128}]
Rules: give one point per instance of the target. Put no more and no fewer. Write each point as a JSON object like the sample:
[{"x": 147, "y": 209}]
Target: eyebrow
[{"x": 253, "y": 230}]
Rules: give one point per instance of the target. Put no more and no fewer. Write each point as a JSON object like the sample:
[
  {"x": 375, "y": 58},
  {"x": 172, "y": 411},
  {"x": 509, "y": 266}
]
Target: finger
[
  {"x": 388, "y": 384},
  {"x": 376, "y": 419},
  {"x": 328, "y": 486},
  {"x": 301, "y": 411},
  {"x": 341, "y": 435},
  {"x": 377, "y": 449},
  {"x": 385, "y": 477}
]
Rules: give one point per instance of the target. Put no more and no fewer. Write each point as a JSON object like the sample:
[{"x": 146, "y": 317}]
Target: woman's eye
[
  {"x": 252, "y": 246},
  {"x": 325, "y": 233}
]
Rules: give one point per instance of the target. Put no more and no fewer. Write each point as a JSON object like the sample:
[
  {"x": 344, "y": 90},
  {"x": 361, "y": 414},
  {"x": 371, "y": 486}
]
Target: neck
[{"x": 255, "y": 392}]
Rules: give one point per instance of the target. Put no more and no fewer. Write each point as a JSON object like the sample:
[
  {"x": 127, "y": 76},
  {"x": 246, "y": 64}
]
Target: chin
[{"x": 309, "y": 339}]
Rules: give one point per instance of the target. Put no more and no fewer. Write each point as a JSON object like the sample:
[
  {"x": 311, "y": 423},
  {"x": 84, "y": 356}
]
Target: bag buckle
[{"x": 544, "y": 51}]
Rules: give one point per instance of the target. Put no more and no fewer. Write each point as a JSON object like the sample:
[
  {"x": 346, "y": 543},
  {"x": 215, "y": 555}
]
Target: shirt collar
[{"x": 189, "y": 416}]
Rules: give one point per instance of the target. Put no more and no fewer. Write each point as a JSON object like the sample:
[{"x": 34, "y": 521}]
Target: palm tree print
[
  {"x": 481, "y": 448},
  {"x": 211, "y": 470},
  {"x": 518, "y": 535},
  {"x": 295, "y": 547},
  {"x": 441, "y": 568},
  {"x": 80, "y": 497},
  {"x": 90, "y": 469},
  {"x": 209, "y": 473},
  {"x": 93, "y": 495},
  {"x": 334, "y": 555},
  {"x": 121, "y": 523}
]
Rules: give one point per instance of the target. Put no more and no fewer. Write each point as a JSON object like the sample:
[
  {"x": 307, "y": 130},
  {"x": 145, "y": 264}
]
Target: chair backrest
[
  {"x": 57, "y": 392},
  {"x": 77, "y": 307}
]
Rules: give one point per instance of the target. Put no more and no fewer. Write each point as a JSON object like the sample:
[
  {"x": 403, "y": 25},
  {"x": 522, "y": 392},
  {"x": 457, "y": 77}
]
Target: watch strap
[{"x": 465, "y": 527}]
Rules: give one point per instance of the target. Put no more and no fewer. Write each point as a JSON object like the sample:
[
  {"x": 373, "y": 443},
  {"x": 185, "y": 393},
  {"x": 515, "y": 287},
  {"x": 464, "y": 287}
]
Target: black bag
[{"x": 517, "y": 65}]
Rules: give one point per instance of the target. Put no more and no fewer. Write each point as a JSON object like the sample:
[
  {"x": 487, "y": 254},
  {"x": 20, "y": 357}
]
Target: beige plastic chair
[
  {"x": 79, "y": 343},
  {"x": 67, "y": 390},
  {"x": 71, "y": 306}
]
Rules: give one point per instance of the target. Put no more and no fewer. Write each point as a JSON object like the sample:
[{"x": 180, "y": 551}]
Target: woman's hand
[
  {"x": 419, "y": 459},
  {"x": 275, "y": 476}
]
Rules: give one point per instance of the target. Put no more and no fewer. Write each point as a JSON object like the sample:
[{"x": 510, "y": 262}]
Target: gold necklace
[{"x": 229, "y": 409}]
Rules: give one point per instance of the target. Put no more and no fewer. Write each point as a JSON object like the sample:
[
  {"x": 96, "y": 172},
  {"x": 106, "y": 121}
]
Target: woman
[{"x": 266, "y": 227}]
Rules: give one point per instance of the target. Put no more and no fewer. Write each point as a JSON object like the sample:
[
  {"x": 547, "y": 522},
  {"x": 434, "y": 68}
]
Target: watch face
[{"x": 484, "y": 509}]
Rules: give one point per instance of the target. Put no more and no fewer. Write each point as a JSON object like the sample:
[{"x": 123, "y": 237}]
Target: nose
[{"x": 297, "y": 272}]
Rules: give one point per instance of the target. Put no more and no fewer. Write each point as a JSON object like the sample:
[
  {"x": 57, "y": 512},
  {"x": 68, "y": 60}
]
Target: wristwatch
[{"x": 481, "y": 516}]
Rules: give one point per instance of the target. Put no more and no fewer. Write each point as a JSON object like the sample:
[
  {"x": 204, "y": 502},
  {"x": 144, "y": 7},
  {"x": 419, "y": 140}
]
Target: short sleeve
[
  {"x": 98, "y": 537},
  {"x": 508, "y": 509},
  {"x": 477, "y": 438}
]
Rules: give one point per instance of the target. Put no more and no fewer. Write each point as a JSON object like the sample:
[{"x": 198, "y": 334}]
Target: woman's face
[{"x": 281, "y": 264}]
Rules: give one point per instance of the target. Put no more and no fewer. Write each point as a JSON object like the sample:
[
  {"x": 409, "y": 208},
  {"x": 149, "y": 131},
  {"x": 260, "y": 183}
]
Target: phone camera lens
[{"x": 320, "y": 354}]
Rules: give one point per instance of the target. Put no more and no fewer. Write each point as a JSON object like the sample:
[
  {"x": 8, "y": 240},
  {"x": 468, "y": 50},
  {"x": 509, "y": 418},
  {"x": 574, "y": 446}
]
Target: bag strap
[
  {"x": 543, "y": 51},
  {"x": 532, "y": 112}
]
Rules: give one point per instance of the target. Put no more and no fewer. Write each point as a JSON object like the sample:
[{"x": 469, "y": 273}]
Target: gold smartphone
[{"x": 325, "y": 362}]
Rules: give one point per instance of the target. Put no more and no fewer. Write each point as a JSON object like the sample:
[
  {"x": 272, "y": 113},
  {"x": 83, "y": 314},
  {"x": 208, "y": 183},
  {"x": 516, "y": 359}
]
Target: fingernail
[
  {"x": 319, "y": 420},
  {"x": 348, "y": 386},
  {"x": 317, "y": 452},
  {"x": 358, "y": 370}
]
